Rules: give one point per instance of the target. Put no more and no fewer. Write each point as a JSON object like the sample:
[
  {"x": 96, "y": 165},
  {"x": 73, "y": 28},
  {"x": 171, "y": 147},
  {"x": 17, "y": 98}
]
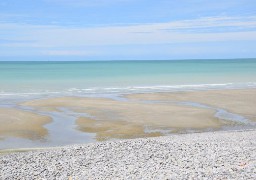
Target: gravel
[{"x": 211, "y": 155}]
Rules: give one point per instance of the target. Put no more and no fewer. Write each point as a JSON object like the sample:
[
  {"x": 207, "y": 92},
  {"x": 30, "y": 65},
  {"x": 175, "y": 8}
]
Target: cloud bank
[{"x": 55, "y": 40}]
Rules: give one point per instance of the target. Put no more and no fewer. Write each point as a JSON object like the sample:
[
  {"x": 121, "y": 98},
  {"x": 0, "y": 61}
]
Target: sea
[{"x": 120, "y": 77}]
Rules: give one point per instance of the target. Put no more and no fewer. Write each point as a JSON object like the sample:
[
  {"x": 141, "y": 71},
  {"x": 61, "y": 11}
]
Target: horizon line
[{"x": 200, "y": 59}]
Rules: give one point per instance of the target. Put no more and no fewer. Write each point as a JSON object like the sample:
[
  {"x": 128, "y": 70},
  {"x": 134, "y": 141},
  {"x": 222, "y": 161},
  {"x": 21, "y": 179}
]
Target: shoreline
[
  {"x": 90, "y": 119},
  {"x": 24, "y": 150},
  {"x": 239, "y": 101},
  {"x": 226, "y": 154}
]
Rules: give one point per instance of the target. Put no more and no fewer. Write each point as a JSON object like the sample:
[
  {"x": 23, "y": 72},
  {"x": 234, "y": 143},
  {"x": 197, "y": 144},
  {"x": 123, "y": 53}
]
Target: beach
[
  {"x": 88, "y": 120},
  {"x": 145, "y": 115},
  {"x": 126, "y": 89},
  {"x": 210, "y": 155},
  {"x": 17, "y": 123},
  {"x": 239, "y": 101},
  {"x": 126, "y": 116},
  {"x": 106, "y": 116}
]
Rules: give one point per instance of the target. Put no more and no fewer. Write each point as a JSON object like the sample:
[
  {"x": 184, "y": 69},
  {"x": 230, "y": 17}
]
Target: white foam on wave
[{"x": 132, "y": 89}]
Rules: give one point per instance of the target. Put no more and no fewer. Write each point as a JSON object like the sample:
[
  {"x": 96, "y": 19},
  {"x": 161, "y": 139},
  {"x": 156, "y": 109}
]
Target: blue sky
[{"x": 127, "y": 29}]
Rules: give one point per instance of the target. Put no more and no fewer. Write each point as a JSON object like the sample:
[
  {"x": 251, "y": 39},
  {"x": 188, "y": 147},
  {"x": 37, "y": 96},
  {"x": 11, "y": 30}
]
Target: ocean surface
[{"x": 106, "y": 77}]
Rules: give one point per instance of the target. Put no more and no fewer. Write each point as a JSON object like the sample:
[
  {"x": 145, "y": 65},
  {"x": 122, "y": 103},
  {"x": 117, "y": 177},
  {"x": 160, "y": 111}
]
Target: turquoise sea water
[{"x": 124, "y": 76}]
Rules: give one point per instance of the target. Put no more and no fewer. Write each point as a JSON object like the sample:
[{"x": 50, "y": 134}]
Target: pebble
[{"x": 211, "y": 155}]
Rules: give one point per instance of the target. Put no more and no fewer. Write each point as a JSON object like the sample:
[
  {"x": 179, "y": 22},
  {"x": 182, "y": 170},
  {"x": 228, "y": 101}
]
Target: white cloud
[
  {"x": 86, "y": 2},
  {"x": 243, "y": 28},
  {"x": 66, "y": 53}
]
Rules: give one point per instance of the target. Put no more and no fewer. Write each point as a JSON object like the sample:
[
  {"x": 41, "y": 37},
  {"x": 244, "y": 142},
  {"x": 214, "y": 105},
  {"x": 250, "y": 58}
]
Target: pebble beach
[{"x": 210, "y": 155}]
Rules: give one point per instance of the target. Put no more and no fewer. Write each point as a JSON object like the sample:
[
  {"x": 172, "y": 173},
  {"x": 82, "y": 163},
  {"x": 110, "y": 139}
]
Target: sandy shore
[
  {"x": 138, "y": 115},
  {"x": 127, "y": 119},
  {"x": 154, "y": 114},
  {"x": 241, "y": 101},
  {"x": 22, "y": 124},
  {"x": 212, "y": 155}
]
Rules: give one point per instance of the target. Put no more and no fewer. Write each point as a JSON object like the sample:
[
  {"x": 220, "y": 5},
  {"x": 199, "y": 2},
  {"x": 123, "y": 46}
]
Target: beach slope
[{"x": 211, "y": 155}]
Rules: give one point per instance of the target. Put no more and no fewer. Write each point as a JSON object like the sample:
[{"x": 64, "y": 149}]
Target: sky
[{"x": 126, "y": 29}]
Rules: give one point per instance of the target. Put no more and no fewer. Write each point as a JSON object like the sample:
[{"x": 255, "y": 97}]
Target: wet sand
[
  {"x": 22, "y": 124},
  {"x": 241, "y": 101},
  {"x": 113, "y": 129},
  {"x": 134, "y": 116},
  {"x": 130, "y": 119}
]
